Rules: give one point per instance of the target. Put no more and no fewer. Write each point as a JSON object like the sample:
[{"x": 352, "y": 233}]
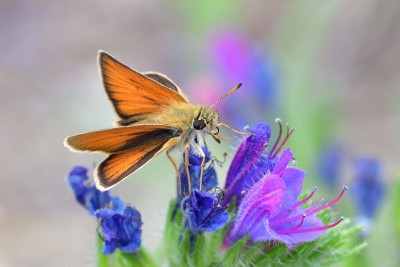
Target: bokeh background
[{"x": 329, "y": 68}]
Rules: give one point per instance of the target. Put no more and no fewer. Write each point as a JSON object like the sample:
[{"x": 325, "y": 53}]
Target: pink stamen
[
  {"x": 287, "y": 212},
  {"x": 313, "y": 210},
  {"x": 288, "y": 134},
  {"x": 321, "y": 228},
  {"x": 279, "y": 137},
  {"x": 330, "y": 203},
  {"x": 293, "y": 229}
]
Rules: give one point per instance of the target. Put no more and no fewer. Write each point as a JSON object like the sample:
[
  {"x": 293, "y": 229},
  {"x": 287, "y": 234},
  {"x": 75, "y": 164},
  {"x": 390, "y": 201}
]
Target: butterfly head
[{"x": 206, "y": 118}]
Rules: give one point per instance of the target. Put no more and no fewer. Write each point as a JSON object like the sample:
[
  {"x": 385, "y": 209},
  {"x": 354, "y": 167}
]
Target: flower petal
[
  {"x": 293, "y": 178},
  {"x": 260, "y": 168},
  {"x": 122, "y": 231},
  {"x": 248, "y": 153},
  {"x": 262, "y": 201},
  {"x": 202, "y": 212},
  {"x": 283, "y": 161}
]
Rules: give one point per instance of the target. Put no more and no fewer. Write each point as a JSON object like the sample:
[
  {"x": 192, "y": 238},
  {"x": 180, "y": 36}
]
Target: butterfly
[{"x": 154, "y": 115}]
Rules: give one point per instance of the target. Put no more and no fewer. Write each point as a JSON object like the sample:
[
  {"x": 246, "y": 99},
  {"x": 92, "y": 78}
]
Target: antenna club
[{"x": 228, "y": 93}]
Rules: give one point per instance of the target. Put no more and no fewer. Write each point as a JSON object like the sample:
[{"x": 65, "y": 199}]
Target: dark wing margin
[
  {"x": 163, "y": 79},
  {"x": 118, "y": 166}
]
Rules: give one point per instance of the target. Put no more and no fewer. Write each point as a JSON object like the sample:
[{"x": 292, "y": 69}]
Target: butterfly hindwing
[{"x": 117, "y": 166}]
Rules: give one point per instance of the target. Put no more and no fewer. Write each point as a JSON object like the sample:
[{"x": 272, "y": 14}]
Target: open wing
[
  {"x": 132, "y": 93},
  {"x": 129, "y": 148},
  {"x": 119, "y": 139}
]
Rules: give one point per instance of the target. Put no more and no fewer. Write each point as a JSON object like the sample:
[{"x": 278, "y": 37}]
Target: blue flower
[
  {"x": 368, "y": 186},
  {"x": 88, "y": 195},
  {"x": 202, "y": 212},
  {"x": 269, "y": 209},
  {"x": 120, "y": 226},
  {"x": 329, "y": 163},
  {"x": 120, "y": 230},
  {"x": 209, "y": 174}
]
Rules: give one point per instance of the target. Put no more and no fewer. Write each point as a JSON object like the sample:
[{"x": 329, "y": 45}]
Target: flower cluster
[
  {"x": 238, "y": 59},
  {"x": 262, "y": 200},
  {"x": 267, "y": 192},
  {"x": 201, "y": 209},
  {"x": 120, "y": 224}
]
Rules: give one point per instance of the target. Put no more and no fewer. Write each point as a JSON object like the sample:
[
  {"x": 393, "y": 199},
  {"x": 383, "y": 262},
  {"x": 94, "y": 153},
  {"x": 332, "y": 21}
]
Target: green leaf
[{"x": 232, "y": 256}]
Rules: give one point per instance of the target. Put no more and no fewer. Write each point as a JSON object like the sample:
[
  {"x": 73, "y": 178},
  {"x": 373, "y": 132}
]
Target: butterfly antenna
[{"x": 228, "y": 93}]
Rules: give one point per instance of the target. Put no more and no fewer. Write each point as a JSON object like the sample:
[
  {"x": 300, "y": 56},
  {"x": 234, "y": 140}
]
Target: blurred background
[{"x": 329, "y": 68}]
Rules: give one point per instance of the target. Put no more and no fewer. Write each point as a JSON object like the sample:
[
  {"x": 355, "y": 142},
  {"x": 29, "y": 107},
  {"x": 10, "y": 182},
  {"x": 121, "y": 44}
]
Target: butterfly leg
[
  {"x": 176, "y": 169},
  {"x": 203, "y": 161},
  {"x": 233, "y": 130},
  {"x": 187, "y": 150}
]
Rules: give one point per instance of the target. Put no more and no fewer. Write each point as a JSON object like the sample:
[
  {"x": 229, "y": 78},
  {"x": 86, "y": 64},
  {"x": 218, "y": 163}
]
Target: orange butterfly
[{"x": 154, "y": 116}]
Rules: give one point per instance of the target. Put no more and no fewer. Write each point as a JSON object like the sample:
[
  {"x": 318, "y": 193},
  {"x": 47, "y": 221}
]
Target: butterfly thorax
[{"x": 183, "y": 116}]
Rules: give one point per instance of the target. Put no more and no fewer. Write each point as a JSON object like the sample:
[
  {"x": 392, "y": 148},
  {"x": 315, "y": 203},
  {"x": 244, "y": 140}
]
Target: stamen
[
  {"x": 330, "y": 203},
  {"x": 287, "y": 212},
  {"x": 277, "y": 120},
  {"x": 211, "y": 211},
  {"x": 293, "y": 229},
  {"x": 313, "y": 209},
  {"x": 321, "y": 228},
  {"x": 288, "y": 134}
]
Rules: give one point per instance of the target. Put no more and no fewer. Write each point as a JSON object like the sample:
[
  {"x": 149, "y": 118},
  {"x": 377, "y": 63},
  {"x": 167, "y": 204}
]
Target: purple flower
[
  {"x": 209, "y": 174},
  {"x": 368, "y": 186},
  {"x": 269, "y": 209},
  {"x": 202, "y": 212},
  {"x": 238, "y": 59},
  {"x": 251, "y": 161},
  {"x": 120, "y": 230},
  {"x": 87, "y": 194}
]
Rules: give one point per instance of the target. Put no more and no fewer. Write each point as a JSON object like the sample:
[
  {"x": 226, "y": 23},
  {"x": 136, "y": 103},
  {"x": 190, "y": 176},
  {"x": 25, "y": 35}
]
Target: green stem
[
  {"x": 138, "y": 259},
  {"x": 102, "y": 260}
]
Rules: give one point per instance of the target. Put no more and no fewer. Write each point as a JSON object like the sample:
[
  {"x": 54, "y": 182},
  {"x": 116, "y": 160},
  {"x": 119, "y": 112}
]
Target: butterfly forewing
[
  {"x": 132, "y": 93},
  {"x": 121, "y": 138}
]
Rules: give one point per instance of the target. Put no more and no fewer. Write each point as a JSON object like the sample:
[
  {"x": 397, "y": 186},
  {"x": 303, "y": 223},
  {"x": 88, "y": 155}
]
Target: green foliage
[{"x": 396, "y": 196}]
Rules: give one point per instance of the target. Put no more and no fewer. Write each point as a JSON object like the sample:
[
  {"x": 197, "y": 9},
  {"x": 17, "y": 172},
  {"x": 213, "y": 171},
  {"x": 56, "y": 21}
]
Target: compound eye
[{"x": 199, "y": 124}]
